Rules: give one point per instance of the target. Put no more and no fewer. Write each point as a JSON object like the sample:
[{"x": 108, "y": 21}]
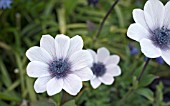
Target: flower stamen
[
  {"x": 98, "y": 69},
  {"x": 161, "y": 38},
  {"x": 59, "y": 68}
]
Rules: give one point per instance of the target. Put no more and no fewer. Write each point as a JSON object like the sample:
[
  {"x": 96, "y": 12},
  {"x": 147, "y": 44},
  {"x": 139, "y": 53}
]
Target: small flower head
[
  {"x": 4, "y": 4},
  {"x": 104, "y": 67},
  {"x": 133, "y": 50},
  {"x": 152, "y": 29},
  {"x": 92, "y": 2},
  {"x": 58, "y": 64},
  {"x": 159, "y": 60}
]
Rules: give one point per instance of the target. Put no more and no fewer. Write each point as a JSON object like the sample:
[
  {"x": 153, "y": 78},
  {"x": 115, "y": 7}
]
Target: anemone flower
[
  {"x": 152, "y": 29},
  {"x": 58, "y": 64},
  {"x": 104, "y": 67}
]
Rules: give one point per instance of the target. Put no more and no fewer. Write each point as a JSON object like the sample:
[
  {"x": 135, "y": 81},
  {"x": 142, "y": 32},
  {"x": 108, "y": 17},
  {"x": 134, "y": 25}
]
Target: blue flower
[
  {"x": 133, "y": 49},
  {"x": 159, "y": 60},
  {"x": 92, "y": 2},
  {"x": 4, "y": 4}
]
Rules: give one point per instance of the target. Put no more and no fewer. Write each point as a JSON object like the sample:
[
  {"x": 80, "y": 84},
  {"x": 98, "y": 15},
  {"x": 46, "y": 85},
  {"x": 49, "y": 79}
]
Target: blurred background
[{"x": 23, "y": 22}]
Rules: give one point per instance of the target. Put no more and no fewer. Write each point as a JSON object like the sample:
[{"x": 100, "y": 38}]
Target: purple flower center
[
  {"x": 161, "y": 38},
  {"x": 59, "y": 68},
  {"x": 98, "y": 69}
]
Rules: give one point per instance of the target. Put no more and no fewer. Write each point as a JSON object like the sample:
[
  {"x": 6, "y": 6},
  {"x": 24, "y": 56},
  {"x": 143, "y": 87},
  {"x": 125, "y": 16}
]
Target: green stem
[
  {"x": 104, "y": 19},
  {"x": 62, "y": 98},
  {"x": 58, "y": 99},
  {"x": 19, "y": 63},
  {"x": 143, "y": 70}
]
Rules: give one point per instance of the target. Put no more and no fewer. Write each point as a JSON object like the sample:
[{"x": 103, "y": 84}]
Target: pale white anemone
[
  {"x": 152, "y": 29},
  {"x": 58, "y": 64},
  {"x": 105, "y": 67}
]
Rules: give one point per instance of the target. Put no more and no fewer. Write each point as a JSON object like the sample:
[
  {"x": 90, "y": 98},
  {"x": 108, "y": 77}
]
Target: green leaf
[
  {"x": 159, "y": 93},
  {"x": 31, "y": 91},
  {"x": 3, "y": 103},
  {"x": 8, "y": 96},
  {"x": 120, "y": 16},
  {"x": 49, "y": 8},
  {"x": 70, "y": 5},
  {"x": 13, "y": 85},
  {"x": 146, "y": 80},
  {"x": 135, "y": 83},
  {"x": 5, "y": 75},
  {"x": 70, "y": 103},
  {"x": 57, "y": 98},
  {"x": 146, "y": 93}
]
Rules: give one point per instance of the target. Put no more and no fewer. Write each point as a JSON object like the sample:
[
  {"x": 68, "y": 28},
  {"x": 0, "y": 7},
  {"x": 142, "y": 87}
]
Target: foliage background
[{"x": 26, "y": 21}]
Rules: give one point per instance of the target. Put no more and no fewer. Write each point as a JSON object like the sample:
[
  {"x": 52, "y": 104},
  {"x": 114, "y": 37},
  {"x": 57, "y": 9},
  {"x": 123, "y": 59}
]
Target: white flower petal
[
  {"x": 76, "y": 44},
  {"x": 137, "y": 32},
  {"x": 37, "y": 69},
  {"x": 154, "y": 13},
  {"x": 85, "y": 74},
  {"x": 149, "y": 49},
  {"x": 72, "y": 84},
  {"x": 80, "y": 59},
  {"x": 139, "y": 17},
  {"x": 48, "y": 43},
  {"x": 40, "y": 84},
  {"x": 38, "y": 54},
  {"x": 113, "y": 70},
  {"x": 166, "y": 56},
  {"x": 167, "y": 15},
  {"x": 54, "y": 86},
  {"x": 94, "y": 55},
  {"x": 107, "y": 79},
  {"x": 95, "y": 83},
  {"x": 102, "y": 53},
  {"x": 62, "y": 45},
  {"x": 113, "y": 59}
]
